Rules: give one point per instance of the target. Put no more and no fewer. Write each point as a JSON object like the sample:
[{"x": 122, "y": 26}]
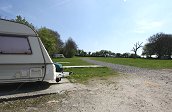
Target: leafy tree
[
  {"x": 118, "y": 55},
  {"x": 50, "y": 39},
  {"x": 70, "y": 48},
  {"x": 133, "y": 56},
  {"x": 94, "y": 54},
  {"x": 81, "y": 53},
  {"x": 89, "y": 53},
  {"x": 163, "y": 46},
  {"x": 156, "y": 45},
  {"x": 159, "y": 44},
  {"x": 105, "y": 53},
  {"x": 21, "y": 20},
  {"x": 60, "y": 43},
  {"x": 102, "y": 53},
  {"x": 148, "y": 50},
  {"x": 125, "y": 55}
]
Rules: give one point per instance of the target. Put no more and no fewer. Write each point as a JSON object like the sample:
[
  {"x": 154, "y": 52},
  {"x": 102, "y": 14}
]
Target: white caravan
[{"x": 23, "y": 57}]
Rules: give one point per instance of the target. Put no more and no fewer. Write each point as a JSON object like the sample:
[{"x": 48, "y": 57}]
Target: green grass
[
  {"x": 82, "y": 75},
  {"x": 143, "y": 63},
  {"x": 73, "y": 61}
]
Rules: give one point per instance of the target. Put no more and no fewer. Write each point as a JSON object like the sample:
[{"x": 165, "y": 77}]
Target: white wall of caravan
[
  {"x": 20, "y": 73},
  {"x": 50, "y": 72},
  {"x": 24, "y": 67},
  {"x": 8, "y": 27}
]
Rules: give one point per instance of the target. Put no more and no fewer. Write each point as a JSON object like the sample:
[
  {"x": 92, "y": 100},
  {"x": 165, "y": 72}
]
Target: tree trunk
[{"x": 135, "y": 55}]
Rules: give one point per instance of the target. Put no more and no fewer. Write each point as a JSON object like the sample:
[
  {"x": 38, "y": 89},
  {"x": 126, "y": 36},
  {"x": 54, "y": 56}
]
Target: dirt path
[
  {"x": 127, "y": 93},
  {"x": 134, "y": 90}
]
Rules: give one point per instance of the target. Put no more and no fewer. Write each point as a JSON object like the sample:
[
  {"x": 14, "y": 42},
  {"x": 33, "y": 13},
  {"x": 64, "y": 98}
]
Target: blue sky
[{"x": 114, "y": 25}]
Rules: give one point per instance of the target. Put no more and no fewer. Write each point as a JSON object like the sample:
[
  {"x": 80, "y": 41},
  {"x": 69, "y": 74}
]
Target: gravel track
[
  {"x": 116, "y": 67},
  {"x": 161, "y": 74}
]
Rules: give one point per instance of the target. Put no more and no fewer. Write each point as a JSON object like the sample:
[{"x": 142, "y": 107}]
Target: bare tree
[{"x": 136, "y": 47}]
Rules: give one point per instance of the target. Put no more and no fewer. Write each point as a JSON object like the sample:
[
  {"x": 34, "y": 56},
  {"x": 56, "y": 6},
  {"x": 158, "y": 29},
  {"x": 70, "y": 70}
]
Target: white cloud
[
  {"x": 144, "y": 26},
  {"x": 124, "y": 0},
  {"x": 149, "y": 19}
]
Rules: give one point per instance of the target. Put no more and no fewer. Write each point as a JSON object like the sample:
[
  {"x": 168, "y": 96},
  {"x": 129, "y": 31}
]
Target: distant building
[{"x": 58, "y": 56}]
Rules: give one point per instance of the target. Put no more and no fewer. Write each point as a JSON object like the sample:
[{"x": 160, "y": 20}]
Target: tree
[
  {"x": 159, "y": 44},
  {"x": 118, "y": 55},
  {"x": 148, "y": 50},
  {"x": 125, "y": 55},
  {"x": 89, "y": 53},
  {"x": 51, "y": 40},
  {"x": 70, "y": 48},
  {"x": 60, "y": 43},
  {"x": 105, "y": 53},
  {"x": 163, "y": 46},
  {"x": 81, "y": 53},
  {"x": 156, "y": 45},
  {"x": 21, "y": 20},
  {"x": 102, "y": 53},
  {"x": 136, "y": 47}
]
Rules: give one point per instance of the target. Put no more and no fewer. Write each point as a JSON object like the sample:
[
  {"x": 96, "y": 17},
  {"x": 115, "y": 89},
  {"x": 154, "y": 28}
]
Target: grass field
[
  {"x": 82, "y": 75},
  {"x": 143, "y": 63}
]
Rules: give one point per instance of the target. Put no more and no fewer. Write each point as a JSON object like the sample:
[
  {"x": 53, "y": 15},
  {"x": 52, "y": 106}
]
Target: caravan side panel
[
  {"x": 23, "y": 67},
  {"x": 21, "y": 73}
]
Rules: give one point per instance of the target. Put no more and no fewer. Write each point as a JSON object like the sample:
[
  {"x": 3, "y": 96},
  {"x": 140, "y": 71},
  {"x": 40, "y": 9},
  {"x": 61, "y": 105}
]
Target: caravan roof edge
[{"x": 15, "y": 28}]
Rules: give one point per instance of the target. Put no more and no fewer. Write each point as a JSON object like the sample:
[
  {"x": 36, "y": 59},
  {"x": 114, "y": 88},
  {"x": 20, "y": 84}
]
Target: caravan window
[{"x": 14, "y": 45}]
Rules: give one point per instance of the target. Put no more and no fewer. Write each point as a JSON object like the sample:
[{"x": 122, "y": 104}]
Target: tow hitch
[
  {"x": 59, "y": 72},
  {"x": 60, "y": 75}
]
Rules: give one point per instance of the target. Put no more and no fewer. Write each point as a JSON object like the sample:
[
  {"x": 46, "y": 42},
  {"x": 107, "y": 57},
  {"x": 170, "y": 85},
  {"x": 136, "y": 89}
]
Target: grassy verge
[
  {"x": 143, "y": 63},
  {"x": 82, "y": 75},
  {"x": 73, "y": 61}
]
